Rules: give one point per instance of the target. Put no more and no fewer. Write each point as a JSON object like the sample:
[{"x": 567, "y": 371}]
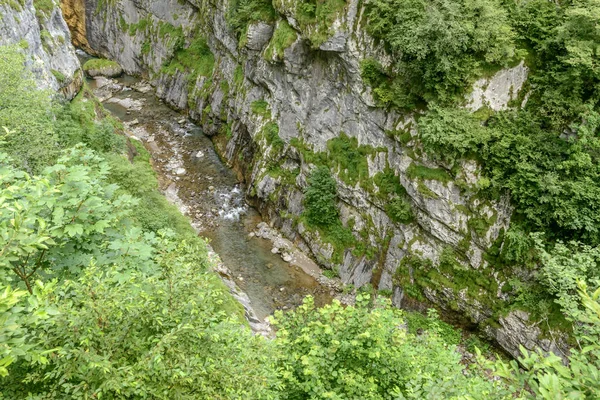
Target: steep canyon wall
[{"x": 41, "y": 32}]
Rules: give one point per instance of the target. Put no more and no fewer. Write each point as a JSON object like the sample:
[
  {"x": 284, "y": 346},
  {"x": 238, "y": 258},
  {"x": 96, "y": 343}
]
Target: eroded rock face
[
  {"x": 497, "y": 91},
  {"x": 74, "y": 15},
  {"x": 239, "y": 93},
  {"x": 44, "y": 38}
]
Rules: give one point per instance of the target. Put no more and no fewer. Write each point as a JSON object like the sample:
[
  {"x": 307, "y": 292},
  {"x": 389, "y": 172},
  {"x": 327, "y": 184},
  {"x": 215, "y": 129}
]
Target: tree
[
  {"x": 57, "y": 221},
  {"x": 581, "y": 36},
  {"x": 440, "y": 46},
  {"x": 320, "y": 198}
]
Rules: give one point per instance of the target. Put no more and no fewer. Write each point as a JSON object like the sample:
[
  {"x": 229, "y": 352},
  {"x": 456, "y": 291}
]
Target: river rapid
[{"x": 192, "y": 176}]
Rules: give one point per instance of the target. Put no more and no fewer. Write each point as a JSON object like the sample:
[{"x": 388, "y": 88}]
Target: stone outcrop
[
  {"x": 497, "y": 91},
  {"x": 273, "y": 116},
  {"x": 44, "y": 38},
  {"x": 98, "y": 67}
]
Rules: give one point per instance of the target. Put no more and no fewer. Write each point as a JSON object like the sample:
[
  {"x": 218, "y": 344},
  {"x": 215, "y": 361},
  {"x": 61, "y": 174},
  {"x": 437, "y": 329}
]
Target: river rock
[
  {"x": 127, "y": 103},
  {"x": 142, "y": 87},
  {"x": 99, "y": 67}
]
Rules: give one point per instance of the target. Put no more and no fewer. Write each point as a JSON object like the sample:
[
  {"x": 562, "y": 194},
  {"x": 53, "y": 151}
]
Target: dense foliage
[
  {"x": 439, "y": 46},
  {"x": 544, "y": 155},
  {"x": 126, "y": 331},
  {"x": 364, "y": 352}
]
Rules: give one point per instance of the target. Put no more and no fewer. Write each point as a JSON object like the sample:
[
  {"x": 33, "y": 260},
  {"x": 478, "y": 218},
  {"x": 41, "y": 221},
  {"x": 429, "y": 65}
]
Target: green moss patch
[{"x": 283, "y": 37}]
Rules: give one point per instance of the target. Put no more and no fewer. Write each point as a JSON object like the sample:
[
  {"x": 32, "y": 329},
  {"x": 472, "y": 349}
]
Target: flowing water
[{"x": 192, "y": 175}]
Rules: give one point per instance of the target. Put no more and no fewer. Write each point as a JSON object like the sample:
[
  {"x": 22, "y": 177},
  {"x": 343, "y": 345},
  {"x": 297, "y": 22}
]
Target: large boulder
[{"x": 101, "y": 67}]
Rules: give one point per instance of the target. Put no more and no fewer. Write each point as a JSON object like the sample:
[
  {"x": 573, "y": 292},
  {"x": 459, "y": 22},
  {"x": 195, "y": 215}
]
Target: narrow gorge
[
  {"x": 273, "y": 109},
  {"x": 423, "y": 179}
]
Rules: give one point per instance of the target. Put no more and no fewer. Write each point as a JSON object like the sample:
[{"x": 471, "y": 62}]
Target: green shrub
[
  {"x": 350, "y": 158},
  {"x": 60, "y": 77},
  {"x": 439, "y": 46},
  {"x": 399, "y": 210},
  {"x": 77, "y": 122},
  {"x": 452, "y": 133},
  {"x": 271, "y": 132},
  {"x": 320, "y": 198},
  {"x": 261, "y": 108},
  {"x": 245, "y": 12},
  {"x": 388, "y": 90},
  {"x": 361, "y": 352},
  {"x": 415, "y": 171},
  {"x": 27, "y": 113},
  {"x": 418, "y": 323},
  {"x": 196, "y": 59},
  {"x": 99, "y": 63}
]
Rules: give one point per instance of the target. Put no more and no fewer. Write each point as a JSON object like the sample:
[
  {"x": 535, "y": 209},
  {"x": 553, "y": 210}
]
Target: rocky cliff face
[
  {"x": 41, "y": 31},
  {"x": 287, "y": 96}
]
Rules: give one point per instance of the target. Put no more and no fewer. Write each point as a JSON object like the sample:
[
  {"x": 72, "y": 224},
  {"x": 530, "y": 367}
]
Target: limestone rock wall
[
  {"x": 241, "y": 90},
  {"x": 44, "y": 37}
]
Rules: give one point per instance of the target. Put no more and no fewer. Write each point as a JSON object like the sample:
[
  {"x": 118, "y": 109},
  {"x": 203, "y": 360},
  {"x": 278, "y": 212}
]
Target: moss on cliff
[
  {"x": 283, "y": 37},
  {"x": 195, "y": 59}
]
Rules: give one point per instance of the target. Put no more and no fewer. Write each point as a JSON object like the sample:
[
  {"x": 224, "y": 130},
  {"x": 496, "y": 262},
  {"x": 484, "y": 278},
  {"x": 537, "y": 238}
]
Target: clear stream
[{"x": 192, "y": 175}]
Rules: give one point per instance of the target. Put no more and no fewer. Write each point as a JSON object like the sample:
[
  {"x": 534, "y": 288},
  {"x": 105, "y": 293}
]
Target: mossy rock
[{"x": 101, "y": 67}]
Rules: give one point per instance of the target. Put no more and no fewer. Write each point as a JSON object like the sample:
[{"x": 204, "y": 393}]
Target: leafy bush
[
  {"x": 452, "y": 132},
  {"x": 399, "y": 210},
  {"x": 357, "y": 352},
  {"x": 320, "y": 199},
  {"x": 136, "y": 333},
  {"x": 56, "y": 223},
  {"x": 419, "y": 324},
  {"x": 27, "y": 113},
  {"x": 387, "y": 90},
  {"x": 196, "y": 59},
  {"x": 349, "y": 157},
  {"x": 271, "y": 132},
  {"x": 261, "y": 108},
  {"x": 245, "y": 12},
  {"x": 77, "y": 122},
  {"x": 99, "y": 64},
  {"x": 440, "y": 46}
]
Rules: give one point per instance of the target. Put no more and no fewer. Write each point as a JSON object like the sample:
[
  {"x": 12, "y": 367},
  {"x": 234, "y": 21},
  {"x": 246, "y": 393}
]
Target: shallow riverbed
[{"x": 192, "y": 175}]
